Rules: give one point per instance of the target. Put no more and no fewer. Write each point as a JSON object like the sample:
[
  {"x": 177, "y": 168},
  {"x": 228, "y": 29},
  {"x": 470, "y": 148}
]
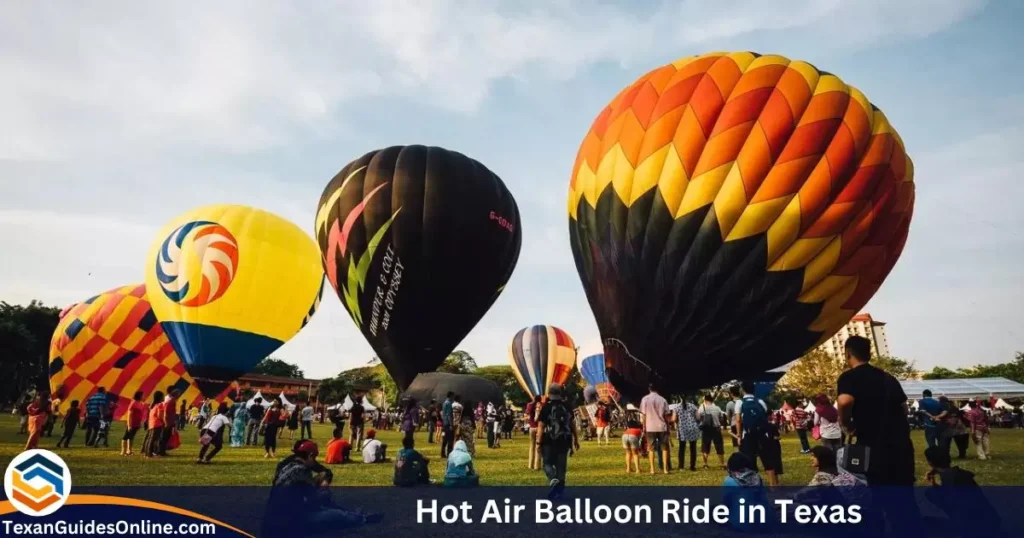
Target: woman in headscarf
[
  {"x": 410, "y": 417},
  {"x": 826, "y": 419},
  {"x": 38, "y": 413},
  {"x": 460, "y": 472},
  {"x": 238, "y": 426},
  {"x": 479, "y": 420},
  {"x": 467, "y": 429}
]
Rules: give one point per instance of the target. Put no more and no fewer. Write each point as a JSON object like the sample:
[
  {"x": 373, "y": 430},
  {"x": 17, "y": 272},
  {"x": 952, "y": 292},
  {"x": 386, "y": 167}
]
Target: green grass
[{"x": 592, "y": 465}]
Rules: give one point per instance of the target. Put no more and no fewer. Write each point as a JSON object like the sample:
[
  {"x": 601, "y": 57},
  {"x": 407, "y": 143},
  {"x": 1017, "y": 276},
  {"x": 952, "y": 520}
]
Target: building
[
  {"x": 272, "y": 385},
  {"x": 860, "y": 325}
]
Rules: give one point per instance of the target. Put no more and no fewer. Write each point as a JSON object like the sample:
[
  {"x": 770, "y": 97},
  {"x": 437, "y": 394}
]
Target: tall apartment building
[{"x": 860, "y": 325}]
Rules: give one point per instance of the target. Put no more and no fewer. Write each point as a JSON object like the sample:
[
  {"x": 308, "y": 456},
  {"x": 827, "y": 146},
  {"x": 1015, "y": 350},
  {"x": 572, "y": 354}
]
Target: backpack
[
  {"x": 558, "y": 428},
  {"x": 753, "y": 415}
]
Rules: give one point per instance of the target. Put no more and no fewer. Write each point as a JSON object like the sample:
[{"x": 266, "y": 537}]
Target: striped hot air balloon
[
  {"x": 729, "y": 212},
  {"x": 113, "y": 340},
  {"x": 541, "y": 355}
]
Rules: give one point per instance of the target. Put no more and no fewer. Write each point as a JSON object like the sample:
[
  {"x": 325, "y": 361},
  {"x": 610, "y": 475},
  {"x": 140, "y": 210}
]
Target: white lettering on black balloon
[{"x": 387, "y": 291}]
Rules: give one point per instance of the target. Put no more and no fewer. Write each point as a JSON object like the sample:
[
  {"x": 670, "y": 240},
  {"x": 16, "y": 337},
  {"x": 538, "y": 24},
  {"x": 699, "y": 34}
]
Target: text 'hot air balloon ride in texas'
[
  {"x": 230, "y": 284},
  {"x": 418, "y": 242},
  {"x": 728, "y": 212}
]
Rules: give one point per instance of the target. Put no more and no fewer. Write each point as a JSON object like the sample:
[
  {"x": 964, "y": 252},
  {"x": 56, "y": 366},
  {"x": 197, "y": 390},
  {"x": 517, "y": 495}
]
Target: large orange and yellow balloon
[
  {"x": 730, "y": 211},
  {"x": 113, "y": 341}
]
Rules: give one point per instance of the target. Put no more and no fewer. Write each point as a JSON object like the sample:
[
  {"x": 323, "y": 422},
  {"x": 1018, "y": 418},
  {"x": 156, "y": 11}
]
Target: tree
[
  {"x": 458, "y": 362},
  {"x": 940, "y": 372},
  {"x": 278, "y": 367},
  {"x": 899, "y": 368},
  {"x": 502, "y": 375},
  {"x": 814, "y": 373},
  {"x": 25, "y": 333},
  {"x": 1013, "y": 370}
]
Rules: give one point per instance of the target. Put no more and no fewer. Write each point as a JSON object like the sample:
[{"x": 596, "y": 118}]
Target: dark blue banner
[{"x": 521, "y": 511}]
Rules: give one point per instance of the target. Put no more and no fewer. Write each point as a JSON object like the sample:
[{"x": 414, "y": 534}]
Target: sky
[{"x": 117, "y": 117}]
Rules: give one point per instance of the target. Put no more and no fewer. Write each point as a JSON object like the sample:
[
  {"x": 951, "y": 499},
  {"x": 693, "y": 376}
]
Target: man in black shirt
[
  {"x": 873, "y": 409},
  {"x": 557, "y": 439},
  {"x": 252, "y": 428},
  {"x": 355, "y": 423}
]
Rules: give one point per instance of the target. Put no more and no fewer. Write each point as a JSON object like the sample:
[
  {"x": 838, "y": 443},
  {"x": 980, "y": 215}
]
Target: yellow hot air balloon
[{"x": 230, "y": 284}]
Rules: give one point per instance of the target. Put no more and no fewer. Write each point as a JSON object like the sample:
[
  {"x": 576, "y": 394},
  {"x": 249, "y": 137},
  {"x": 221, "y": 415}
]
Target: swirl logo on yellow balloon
[{"x": 197, "y": 263}]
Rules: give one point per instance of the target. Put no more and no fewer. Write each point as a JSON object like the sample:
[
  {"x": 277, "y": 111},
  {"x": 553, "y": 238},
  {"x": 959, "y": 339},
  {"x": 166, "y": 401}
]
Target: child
[
  {"x": 212, "y": 434},
  {"x": 338, "y": 450},
  {"x": 69, "y": 423}
]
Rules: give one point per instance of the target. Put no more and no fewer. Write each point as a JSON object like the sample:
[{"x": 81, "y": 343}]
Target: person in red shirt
[
  {"x": 978, "y": 420},
  {"x": 801, "y": 421},
  {"x": 170, "y": 418},
  {"x": 133, "y": 421},
  {"x": 38, "y": 414},
  {"x": 338, "y": 450},
  {"x": 155, "y": 431}
]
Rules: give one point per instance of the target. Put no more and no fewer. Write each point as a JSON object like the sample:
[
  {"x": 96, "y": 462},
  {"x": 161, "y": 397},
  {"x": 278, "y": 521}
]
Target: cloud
[{"x": 239, "y": 77}]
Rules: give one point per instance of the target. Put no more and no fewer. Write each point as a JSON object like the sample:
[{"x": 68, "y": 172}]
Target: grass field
[{"x": 592, "y": 465}]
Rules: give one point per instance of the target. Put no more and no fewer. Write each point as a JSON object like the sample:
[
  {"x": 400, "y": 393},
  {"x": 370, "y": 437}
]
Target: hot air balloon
[
  {"x": 230, "y": 284},
  {"x": 728, "y": 212},
  {"x": 418, "y": 242},
  {"x": 592, "y": 370},
  {"x": 113, "y": 341},
  {"x": 541, "y": 355}
]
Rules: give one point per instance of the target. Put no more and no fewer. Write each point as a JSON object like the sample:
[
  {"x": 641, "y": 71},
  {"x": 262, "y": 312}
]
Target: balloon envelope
[
  {"x": 541, "y": 355},
  {"x": 469, "y": 388},
  {"x": 592, "y": 369},
  {"x": 418, "y": 242},
  {"x": 113, "y": 341},
  {"x": 728, "y": 212},
  {"x": 230, "y": 284}
]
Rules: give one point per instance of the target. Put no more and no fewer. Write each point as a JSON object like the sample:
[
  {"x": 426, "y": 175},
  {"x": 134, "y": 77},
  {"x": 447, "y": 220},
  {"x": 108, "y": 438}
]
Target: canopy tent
[
  {"x": 967, "y": 407},
  {"x": 964, "y": 389},
  {"x": 367, "y": 406},
  {"x": 1001, "y": 404},
  {"x": 252, "y": 401},
  {"x": 810, "y": 407},
  {"x": 284, "y": 401}
]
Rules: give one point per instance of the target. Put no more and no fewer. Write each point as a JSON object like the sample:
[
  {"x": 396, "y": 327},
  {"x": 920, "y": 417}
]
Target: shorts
[
  {"x": 129, "y": 434},
  {"x": 709, "y": 436},
  {"x": 659, "y": 439},
  {"x": 630, "y": 441}
]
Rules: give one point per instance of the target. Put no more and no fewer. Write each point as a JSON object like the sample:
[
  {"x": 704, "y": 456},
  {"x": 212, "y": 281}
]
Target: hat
[
  {"x": 307, "y": 447},
  {"x": 371, "y": 433}
]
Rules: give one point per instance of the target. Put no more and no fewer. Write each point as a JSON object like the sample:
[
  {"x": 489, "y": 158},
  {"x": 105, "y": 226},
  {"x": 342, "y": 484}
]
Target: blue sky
[{"x": 115, "y": 119}]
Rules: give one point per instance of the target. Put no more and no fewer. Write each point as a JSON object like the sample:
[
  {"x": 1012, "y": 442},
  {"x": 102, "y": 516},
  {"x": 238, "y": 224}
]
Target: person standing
[
  {"x": 38, "y": 414},
  {"x": 826, "y": 418},
  {"x": 558, "y": 439},
  {"x": 409, "y": 419},
  {"x": 490, "y": 417},
  {"x": 212, "y": 434},
  {"x": 731, "y": 409},
  {"x": 155, "y": 431},
  {"x": 133, "y": 418},
  {"x": 687, "y": 430},
  {"x": 252, "y": 428},
  {"x": 801, "y": 423},
  {"x": 270, "y": 424},
  {"x": 601, "y": 419},
  {"x": 751, "y": 422},
  {"x": 170, "y": 419},
  {"x": 873, "y": 410},
  {"x": 70, "y": 422},
  {"x": 240, "y": 418},
  {"x": 979, "y": 430},
  {"x": 447, "y": 425},
  {"x": 710, "y": 418},
  {"x": 182, "y": 416},
  {"x": 356, "y": 422},
  {"x": 954, "y": 429},
  {"x": 95, "y": 406},
  {"x": 653, "y": 409},
  {"x": 432, "y": 419},
  {"x": 307, "y": 422},
  {"x": 532, "y": 409},
  {"x": 933, "y": 412}
]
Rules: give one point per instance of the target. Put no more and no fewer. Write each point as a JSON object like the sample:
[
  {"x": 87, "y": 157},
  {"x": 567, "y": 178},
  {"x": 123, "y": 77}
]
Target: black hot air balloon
[
  {"x": 728, "y": 212},
  {"x": 418, "y": 242}
]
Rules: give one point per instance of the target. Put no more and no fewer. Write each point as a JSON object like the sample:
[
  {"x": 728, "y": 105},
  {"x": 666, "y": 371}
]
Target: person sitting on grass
[
  {"x": 411, "y": 469},
  {"x": 460, "y": 472},
  {"x": 742, "y": 482},
  {"x": 374, "y": 451},
  {"x": 338, "y": 450},
  {"x": 955, "y": 492}
]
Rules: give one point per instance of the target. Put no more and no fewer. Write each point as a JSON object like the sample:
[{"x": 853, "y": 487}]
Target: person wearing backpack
[
  {"x": 557, "y": 440},
  {"x": 710, "y": 417},
  {"x": 751, "y": 422}
]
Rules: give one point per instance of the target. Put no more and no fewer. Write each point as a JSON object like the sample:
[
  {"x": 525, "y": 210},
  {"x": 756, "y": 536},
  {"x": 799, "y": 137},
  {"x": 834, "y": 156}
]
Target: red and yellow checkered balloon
[
  {"x": 113, "y": 341},
  {"x": 729, "y": 211}
]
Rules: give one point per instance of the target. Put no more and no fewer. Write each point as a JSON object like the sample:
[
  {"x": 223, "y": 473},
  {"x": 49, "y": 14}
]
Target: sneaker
[{"x": 553, "y": 489}]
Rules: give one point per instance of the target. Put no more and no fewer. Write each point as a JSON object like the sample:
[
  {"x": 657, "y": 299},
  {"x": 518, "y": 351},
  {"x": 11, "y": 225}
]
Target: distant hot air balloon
[
  {"x": 418, "y": 242},
  {"x": 541, "y": 355},
  {"x": 113, "y": 341},
  {"x": 592, "y": 370},
  {"x": 230, "y": 284},
  {"x": 728, "y": 212}
]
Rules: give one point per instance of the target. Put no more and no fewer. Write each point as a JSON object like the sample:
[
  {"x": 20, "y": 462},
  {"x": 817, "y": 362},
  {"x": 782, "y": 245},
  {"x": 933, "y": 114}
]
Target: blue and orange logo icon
[
  {"x": 37, "y": 482},
  {"x": 197, "y": 262}
]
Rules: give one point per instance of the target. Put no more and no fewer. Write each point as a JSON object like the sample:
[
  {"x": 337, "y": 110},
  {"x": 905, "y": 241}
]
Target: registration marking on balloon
[
  {"x": 202, "y": 252},
  {"x": 387, "y": 290}
]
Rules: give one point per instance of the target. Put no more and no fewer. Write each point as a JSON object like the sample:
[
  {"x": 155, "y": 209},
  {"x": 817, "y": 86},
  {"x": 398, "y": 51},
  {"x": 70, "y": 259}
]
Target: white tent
[
  {"x": 810, "y": 407},
  {"x": 284, "y": 401},
  {"x": 367, "y": 406},
  {"x": 1001, "y": 404},
  {"x": 631, "y": 407},
  {"x": 252, "y": 401}
]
